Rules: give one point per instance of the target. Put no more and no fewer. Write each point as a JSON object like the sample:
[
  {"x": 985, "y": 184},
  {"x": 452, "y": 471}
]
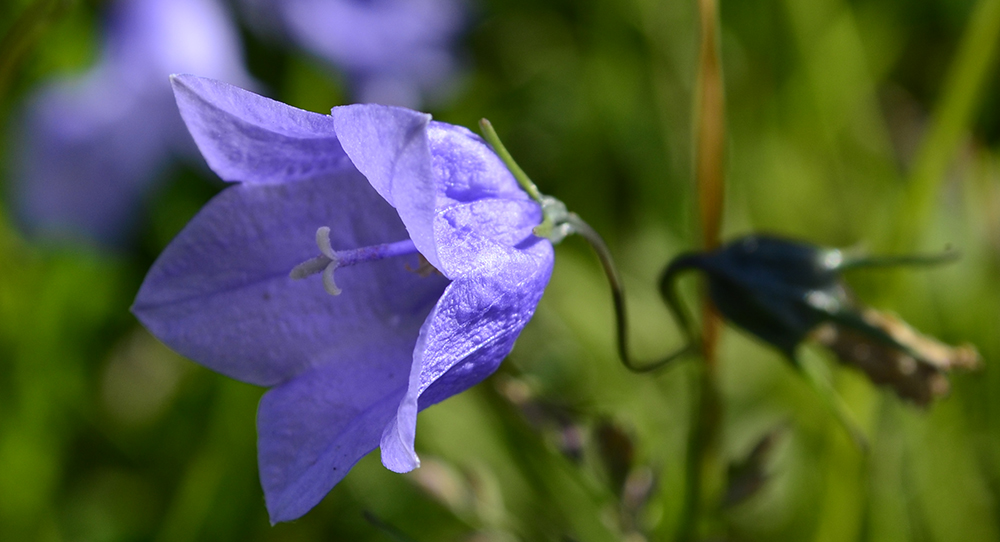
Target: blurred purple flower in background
[
  {"x": 430, "y": 238},
  {"x": 394, "y": 52},
  {"x": 87, "y": 149}
]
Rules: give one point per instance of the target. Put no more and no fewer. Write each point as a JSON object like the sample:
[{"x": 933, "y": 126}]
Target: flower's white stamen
[
  {"x": 328, "y": 284},
  {"x": 309, "y": 267},
  {"x": 323, "y": 242}
]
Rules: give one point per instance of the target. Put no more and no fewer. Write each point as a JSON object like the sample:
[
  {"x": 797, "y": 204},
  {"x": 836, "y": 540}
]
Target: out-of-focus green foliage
[{"x": 838, "y": 112}]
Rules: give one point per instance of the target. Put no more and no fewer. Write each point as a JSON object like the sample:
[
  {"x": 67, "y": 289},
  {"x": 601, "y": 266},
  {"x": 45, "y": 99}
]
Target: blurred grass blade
[
  {"x": 24, "y": 33},
  {"x": 974, "y": 62},
  {"x": 389, "y": 530},
  {"x": 710, "y": 141},
  {"x": 710, "y": 127},
  {"x": 702, "y": 476},
  {"x": 201, "y": 485}
]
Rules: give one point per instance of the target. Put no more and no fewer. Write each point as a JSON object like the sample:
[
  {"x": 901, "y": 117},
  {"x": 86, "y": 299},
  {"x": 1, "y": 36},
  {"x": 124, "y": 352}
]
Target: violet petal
[
  {"x": 247, "y": 137},
  {"x": 314, "y": 428},
  {"x": 389, "y": 146},
  {"x": 471, "y": 329},
  {"x": 220, "y": 293}
]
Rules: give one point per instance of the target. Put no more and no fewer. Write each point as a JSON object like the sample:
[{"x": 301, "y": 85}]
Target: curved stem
[
  {"x": 668, "y": 292},
  {"x": 669, "y": 295},
  {"x": 558, "y": 222}
]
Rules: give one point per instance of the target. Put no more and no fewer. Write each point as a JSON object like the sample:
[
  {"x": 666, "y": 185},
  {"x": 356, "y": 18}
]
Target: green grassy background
[{"x": 862, "y": 123}]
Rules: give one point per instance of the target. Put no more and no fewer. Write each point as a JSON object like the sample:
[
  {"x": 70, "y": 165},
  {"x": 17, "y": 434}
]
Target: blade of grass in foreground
[{"x": 703, "y": 480}]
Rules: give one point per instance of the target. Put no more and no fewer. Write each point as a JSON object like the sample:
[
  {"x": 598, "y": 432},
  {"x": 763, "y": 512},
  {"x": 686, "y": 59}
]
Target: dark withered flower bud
[
  {"x": 786, "y": 291},
  {"x": 892, "y": 353}
]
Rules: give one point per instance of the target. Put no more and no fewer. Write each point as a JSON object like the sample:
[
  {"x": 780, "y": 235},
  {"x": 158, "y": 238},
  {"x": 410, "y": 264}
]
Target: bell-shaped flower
[
  {"x": 88, "y": 148},
  {"x": 786, "y": 291},
  {"x": 395, "y": 52},
  {"x": 416, "y": 225}
]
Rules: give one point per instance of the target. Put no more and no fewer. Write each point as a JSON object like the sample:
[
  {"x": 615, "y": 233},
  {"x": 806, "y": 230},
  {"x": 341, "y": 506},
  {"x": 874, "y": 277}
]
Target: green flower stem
[
  {"x": 555, "y": 225},
  {"x": 522, "y": 178},
  {"x": 667, "y": 292}
]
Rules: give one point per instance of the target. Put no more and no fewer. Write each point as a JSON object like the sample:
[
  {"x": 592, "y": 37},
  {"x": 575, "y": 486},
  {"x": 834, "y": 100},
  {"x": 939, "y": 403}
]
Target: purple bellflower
[
  {"x": 418, "y": 229},
  {"x": 395, "y": 52},
  {"x": 88, "y": 148}
]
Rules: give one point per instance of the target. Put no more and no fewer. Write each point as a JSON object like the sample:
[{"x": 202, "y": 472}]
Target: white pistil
[
  {"x": 326, "y": 263},
  {"x": 330, "y": 260},
  {"x": 323, "y": 242}
]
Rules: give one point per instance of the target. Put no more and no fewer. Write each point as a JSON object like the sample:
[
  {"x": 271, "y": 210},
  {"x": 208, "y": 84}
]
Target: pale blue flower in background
[
  {"x": 394, "y": 52},
  {"x": 88, "y": 149}
]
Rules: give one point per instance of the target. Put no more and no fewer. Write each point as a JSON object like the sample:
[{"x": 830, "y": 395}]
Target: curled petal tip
[
  {"x": 398, "y": 454},
  {"x": 399, "y": 464}
]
